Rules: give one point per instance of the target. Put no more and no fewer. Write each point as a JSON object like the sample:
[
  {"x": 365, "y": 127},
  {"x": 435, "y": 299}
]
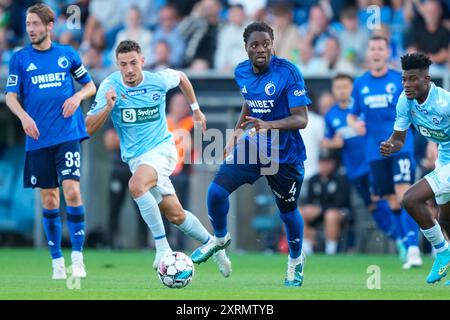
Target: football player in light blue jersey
[
  {"x": 375, "y": 96},
  {"x": 41, "y": 75},
  {"x": 427, "y": 107},
  {"x": 135, "y": 99}
]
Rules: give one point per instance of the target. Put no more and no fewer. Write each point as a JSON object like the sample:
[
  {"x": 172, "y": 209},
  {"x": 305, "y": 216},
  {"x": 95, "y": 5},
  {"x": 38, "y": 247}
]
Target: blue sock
[
  {"x": 411, "y": 228},
  {"x": 382, "y": 215},
  {"x": 397, "y": 217},
  {"x": 75, "y": 222},
  {"x": 293, "y": 223},
  {"x": 53, "y": 231},
  {"x": 218, "y": 206}
]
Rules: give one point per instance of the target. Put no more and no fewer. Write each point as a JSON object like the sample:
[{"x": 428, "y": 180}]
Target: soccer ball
[{"x": 176, "y": 270}]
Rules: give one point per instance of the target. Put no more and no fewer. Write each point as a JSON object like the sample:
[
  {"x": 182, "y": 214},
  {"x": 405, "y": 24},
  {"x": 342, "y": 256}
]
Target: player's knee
[
  {"x": 333, "y": 216},
  {"x": 408, "y": 200},
  {"x": 72, "y": 194},
  {"x": 136, "y": 189},
  {"x": 50, "y": 201}
]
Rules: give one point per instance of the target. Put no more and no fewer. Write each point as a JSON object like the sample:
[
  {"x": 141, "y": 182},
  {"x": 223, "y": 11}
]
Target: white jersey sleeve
[
  {"x": 402, "y": 119},
  {"x": 170, "y": 78}
]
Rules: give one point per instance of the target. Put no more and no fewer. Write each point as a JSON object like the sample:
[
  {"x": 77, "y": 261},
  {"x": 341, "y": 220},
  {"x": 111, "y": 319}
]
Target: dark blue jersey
[
  {"x": 354, "y": 160},
  {"x": 269, "y": 96},
  {"x": 376, "y": 98},
  {"x": 43, "y": 81}
]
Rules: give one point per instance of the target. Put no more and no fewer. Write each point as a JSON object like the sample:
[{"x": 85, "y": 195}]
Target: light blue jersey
[
  {"x": 431, "y": 118},
  {"x": 139, "y": 113}
]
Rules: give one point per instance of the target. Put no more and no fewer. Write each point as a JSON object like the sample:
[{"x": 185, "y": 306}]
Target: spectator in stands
[
  {"x": 286, "y": 35},
  {"x": 354, "y": 38},
  {"x": 253, "y": 9},
  {"x": 331, "y": 61},
  {"x": 366, "y": 15},
  {"x": 230, "y": 51},
  {"x": 167, "y": 30},
  {"x": 306, "y": 61},
  {"x": 135, "y": 31},
  {"x": 428, "y": 34},
  {"x": 118, "y": 191},
  {"x": 95, "y": 56},
  {"x": 161, "y": 56},
  {"x": 316, "y": 31},
  {"x": 327, "y": 199},
  {"x": 102, "y": 15},
  {"x": 200, "y": 29}
]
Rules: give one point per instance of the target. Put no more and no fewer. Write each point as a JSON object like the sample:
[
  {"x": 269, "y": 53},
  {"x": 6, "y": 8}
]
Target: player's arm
[
  {"x": 188, "y": 91},
  {"x": 297, "y": 120},
  {"x": 238, "y": 131},
  {"x": 402, "y": 123},
  {"x": 28, "y": 124},
  {"x": 335, "y": 143},
  {"x": 97, "y": 120},
  {"x": 358, "y": 125},
  {"x": 394, "y": 143},
  {"x": 71, "y": 104}
]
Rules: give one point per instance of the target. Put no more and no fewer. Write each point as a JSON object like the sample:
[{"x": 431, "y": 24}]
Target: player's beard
[{"x": 40, "y": 39}]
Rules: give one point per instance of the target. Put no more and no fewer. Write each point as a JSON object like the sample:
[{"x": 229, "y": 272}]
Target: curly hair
[
  {"x": 416, "y": 60},
  {"x": 257, "y": 26}
]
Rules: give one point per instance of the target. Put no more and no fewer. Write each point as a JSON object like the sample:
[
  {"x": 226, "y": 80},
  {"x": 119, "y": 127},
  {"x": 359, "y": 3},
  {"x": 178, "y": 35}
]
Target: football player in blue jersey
[
  {"x": 275, "y": 108},
  {"x": 375, "y": 96},
  {"x": 338, "y": 135},
  {"x": 426, "y": 106},
  {"x": 41, "y": 76},
  {"x": 136, "y": 101}
]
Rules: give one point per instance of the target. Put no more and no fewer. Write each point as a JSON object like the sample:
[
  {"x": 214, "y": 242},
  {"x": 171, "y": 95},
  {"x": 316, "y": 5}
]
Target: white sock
[
  {"x": 331, "y": 246},
  {"x": 295, "y": 261},
  {"x": 436, "y": 238},
  {"x": 149, "y": 210},
  {"x": 222, "y": 240},
  {"x": 307, "y": 247},
  {"x": 193, "y": 228}
]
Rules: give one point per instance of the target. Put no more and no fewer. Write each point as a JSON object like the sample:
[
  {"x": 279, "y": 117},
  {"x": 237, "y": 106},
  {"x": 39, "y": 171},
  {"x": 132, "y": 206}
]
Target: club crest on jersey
[
  {"x": 63, "y": 62},
  {"x": 391, "y": 87},
  {"x": 156, "y": 96},
  {"x": 436, "y": 120},
  {"x": 270, "y": 88}
]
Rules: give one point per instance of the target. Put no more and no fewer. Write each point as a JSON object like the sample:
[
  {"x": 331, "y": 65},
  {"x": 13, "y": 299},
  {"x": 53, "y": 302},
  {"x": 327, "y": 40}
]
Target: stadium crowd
[{"x": 320, "y": 36}]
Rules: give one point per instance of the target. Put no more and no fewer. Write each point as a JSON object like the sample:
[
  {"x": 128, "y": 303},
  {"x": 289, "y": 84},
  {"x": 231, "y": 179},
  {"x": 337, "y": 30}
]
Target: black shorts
[
  {"x": 386, "y": 173},
  {"x": 46, "y": 168},
  {"x": 285, "y": 183}
]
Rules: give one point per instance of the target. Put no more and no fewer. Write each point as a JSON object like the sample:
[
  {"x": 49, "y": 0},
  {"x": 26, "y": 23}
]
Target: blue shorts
[
  {"x": 362, "y": 186},
  {"x": 285, "y": 183},
  {"x": 46, "y": 168},
  {"x": 386, "y": 173}
]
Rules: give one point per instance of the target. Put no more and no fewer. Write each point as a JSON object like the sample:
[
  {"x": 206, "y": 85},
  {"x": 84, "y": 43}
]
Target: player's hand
[
  {"x": 386, "y": 148},
  {"x": 360, "y": 128},
  {"x": 229, "y": 148},
  {"x": 111, "y": 98},
  {"x": 71, "y": 105},
  {"x": 30, "y": 128},
  {"x": 258, "y": 124},
  {"x": 199, "y": 118}
]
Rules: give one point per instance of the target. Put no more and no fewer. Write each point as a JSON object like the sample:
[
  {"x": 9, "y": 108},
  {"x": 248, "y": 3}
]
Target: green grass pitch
[{"x": 26, "y": 274}]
